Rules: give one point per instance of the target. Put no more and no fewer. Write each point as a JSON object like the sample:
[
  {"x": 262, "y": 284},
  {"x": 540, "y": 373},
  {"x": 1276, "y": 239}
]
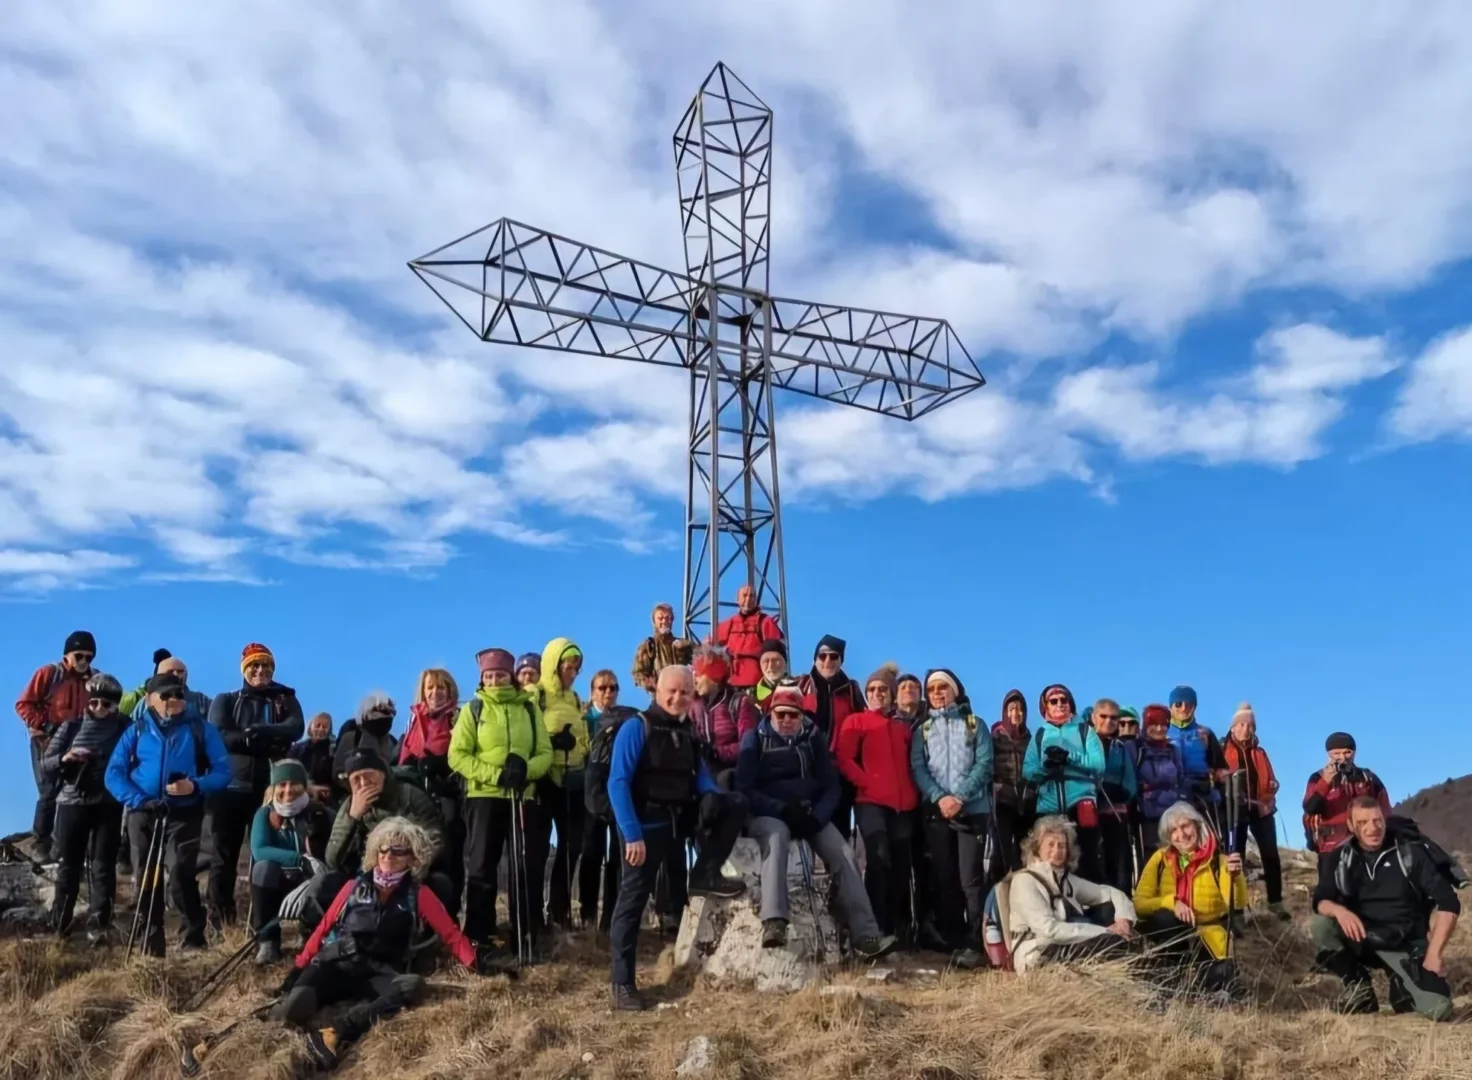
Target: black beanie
[
  {"x": 828, "y": 641},
  {"x": 169, "y": 680},
  {"x": 159, "y": 656},
  {"x": 367, "y": 758},
  {"x": 1340, "y": 740},
  {"x": 80, "y": 641},
  {"x": 778, "y": 647}
]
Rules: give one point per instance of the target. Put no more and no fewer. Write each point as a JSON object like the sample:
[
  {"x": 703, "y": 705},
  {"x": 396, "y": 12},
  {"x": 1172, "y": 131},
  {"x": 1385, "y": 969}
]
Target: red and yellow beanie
[{"x": 254, "y": 653}]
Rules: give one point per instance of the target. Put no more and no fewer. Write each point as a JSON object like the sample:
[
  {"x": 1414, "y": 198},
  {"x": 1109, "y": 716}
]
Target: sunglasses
[
  {"x": 171, "y": 695},
  {"x": 1106, "y": 716},
  {"x": 825, "y": 655},
  {"x": 398, "y": 851},
  {"x": 86, "y": 657},
  {"x": 606, "y": 688},
  {"x": 788, "y": 714},
  {"x": 98, "y": 702},
  {"x": 1057, "y": 700},
  {"x": 1125, "y": 722}
]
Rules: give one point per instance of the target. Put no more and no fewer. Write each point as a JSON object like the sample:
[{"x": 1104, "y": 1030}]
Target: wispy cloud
[{"x": 212, "y": 347}]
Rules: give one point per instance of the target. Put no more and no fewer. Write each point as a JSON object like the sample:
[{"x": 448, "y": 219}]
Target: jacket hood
[
  {"x": 1014, "y": 695},
  {"x": 551, "y": 657}
]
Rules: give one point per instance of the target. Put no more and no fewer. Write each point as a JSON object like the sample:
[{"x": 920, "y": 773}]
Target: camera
[
  {"x": 1055, "y": 757},
  {"x": 1346, "y": 769}
]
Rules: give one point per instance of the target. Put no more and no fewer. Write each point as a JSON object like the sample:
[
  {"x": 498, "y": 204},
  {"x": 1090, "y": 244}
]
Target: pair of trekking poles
[{"x": 147, "y": 897}]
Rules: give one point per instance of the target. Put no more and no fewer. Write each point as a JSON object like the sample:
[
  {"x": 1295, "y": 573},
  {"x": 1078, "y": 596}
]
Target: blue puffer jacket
[
  {"x": 773, "y": 770},
  {"x": 1080, "y": 777},
  {"x": 152, "y": 749},
  {"x": 1161, "y": 777},
  {"x": 951, "y": 754},
  {"x": 1200, "y": 753}
]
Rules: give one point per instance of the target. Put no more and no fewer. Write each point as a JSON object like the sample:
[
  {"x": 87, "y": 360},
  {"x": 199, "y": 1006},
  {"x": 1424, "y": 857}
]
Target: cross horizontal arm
[{"x": 517, "y": 285}]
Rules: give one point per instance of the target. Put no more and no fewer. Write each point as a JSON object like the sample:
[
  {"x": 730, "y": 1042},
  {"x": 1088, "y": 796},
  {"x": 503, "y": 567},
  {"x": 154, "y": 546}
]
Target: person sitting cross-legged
[
  {"x": 360, "y": 951},
  {"x": 1182, "y": 900},
  {"x": 1382, "y": 902},
  {"x": 1057, "y": 917},
  {"x": 790, "y": 782}
]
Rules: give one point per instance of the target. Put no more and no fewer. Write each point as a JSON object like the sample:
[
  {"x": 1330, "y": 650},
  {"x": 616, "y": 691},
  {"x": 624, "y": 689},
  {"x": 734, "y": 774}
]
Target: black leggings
[
  {"x": 887, "y": 836},
  {"x": 90, "y": 835},
  {"x": 376, "y": 993},
  {"x": 1177, "y": 955},
  {"x": 1265, "y": 831}
]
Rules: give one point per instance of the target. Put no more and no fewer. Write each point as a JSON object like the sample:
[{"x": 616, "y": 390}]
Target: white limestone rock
[{"x": 723, "y": 938}]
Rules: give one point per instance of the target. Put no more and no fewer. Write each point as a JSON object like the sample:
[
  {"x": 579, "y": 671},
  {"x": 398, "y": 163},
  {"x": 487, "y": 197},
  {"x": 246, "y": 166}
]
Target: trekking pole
[
  {"x": 805, "y": 861},
  {"x": 520, "y": 886},
  {"x": 1233, "y": 784},
  {"x": 564, "y": 842},
  {"x": 143, "y": 900},
  {"x": 215, "y": 981},
  {"x": 194, "y": 1056}
]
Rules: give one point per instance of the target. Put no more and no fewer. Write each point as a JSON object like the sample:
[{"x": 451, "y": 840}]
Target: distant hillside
[{"x": 1444, "y": 813}]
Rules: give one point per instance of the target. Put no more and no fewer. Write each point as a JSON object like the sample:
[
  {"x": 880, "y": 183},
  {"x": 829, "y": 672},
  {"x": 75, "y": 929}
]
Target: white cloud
[
  {"x": 1436, "y": 399},
  {"x": 212, "y": 345}
]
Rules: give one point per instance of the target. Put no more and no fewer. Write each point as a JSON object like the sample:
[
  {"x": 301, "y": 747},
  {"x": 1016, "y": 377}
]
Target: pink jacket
[{"x": 720, "y": 725}]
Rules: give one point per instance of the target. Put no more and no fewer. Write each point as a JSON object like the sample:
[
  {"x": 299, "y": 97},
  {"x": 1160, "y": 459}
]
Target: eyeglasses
[
  {"x": 825, "y": 655},
  {"x": 1057, "y": 699},
  {"x": 787, "y": 714},
  {"x": 84, "y": 657},
  {"x": 97, "y": 702},
  {"x": 1125, "y": 722},
  {"x": 606, "y": 688},
  {"x": 398, "y": 851},
  {"x": 171, "y": 695},
  {"x": 1106, "y": 716}
]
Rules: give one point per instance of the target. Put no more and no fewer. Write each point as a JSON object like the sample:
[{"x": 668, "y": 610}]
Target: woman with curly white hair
[
  {"x": 360, "y": 952},
  {"x": 1056, "y": 917}
]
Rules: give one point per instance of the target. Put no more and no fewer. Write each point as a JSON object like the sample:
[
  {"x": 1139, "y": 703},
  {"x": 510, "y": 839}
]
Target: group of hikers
[{"x": 1096, "y": 833}]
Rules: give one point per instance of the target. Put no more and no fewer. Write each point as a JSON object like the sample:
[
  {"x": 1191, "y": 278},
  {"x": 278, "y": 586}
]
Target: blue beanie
[{"x": 1183, "y": 695}]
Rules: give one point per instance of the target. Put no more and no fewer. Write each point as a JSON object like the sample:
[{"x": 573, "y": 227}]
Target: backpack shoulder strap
[{"x": 476, "y": 708}]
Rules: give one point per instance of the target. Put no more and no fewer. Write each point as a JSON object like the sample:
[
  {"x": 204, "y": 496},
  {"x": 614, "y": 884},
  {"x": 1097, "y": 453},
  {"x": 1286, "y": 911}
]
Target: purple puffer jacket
[{"x": 720, "y": 723}]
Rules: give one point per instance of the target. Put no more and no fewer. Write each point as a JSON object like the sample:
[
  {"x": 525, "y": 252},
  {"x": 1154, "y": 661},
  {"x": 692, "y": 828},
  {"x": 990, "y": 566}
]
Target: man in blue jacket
[
  {"x": 168, "y": 762},
  {"x": 658, "y": 784},
  {"x": 790, "y": 782}
]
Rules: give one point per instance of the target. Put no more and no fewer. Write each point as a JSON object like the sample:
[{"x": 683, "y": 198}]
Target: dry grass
[{"x": 75, "y": 1015}]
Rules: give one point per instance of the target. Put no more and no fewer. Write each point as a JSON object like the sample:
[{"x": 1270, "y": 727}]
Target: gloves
[
  {"x": 294, "y": 903},
  {"x": 153, "y": 807},
  {"x": 290, "y": 981},
  {"x": 799, "y": 819},
  {"x": 1055, "y": 759},
  {"x": 513, "y": 773},
  {"x": 565, "y": 740},
  {"x": 313, "y": 867}
]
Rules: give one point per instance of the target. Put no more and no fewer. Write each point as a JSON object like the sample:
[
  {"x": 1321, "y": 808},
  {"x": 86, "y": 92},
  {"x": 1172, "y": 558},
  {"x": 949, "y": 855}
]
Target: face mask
[
  {"x": 385, "y": 880},
  {"x": 293, "y": 808}
]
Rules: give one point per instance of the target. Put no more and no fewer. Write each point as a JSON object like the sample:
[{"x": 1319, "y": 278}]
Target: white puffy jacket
[{"x": 1041, "y": 900}]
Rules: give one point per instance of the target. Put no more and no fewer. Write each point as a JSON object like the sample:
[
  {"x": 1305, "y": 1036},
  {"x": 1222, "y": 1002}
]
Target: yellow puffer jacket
[
  {"x": 1157, "y": 890},
  {"x": 561, "y": 708}
]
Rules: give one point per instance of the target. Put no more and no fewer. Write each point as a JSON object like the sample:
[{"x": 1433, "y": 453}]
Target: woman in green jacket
[
  {"x": 501, "y": 746},
  {"x": 561, "y": 793}
]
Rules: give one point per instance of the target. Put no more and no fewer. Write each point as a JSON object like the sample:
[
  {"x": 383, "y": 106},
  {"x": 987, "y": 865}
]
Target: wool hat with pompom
[
  {"x": 256, "y": 653},
  {"x": 888, "y": 674}
]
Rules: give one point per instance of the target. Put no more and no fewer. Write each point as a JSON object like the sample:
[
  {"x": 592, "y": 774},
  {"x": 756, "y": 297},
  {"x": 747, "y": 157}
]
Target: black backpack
[
  {"x": 600, "y": 763},
  {"x": 1405, "y": 834}
]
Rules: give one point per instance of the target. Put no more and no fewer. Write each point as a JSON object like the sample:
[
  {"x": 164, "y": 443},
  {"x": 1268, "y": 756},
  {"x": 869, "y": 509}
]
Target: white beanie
[{"x": 1244, "y": 712}]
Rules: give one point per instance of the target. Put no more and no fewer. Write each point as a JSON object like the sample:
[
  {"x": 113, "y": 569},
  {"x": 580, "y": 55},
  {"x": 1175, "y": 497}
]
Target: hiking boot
[
  {"x": 968, "y": 959},
  {"x": 193, "y": 943},
  {"x": 774, "y": 933},
  {"x": 627, "y": 999},
  {"x": 1279, "y": 912},
  {"x": 718, "y": 885},
  {"x": 268, "y": 953},
  {"x": 931, "y": 939},
  {"x": 872, "y": 948},
  {"x": 1401, "y": 1001},
  {"x": 1357, "y": 998},
  {"x": 669, "y": 926},
  {"x": 325, "y": 1047}
]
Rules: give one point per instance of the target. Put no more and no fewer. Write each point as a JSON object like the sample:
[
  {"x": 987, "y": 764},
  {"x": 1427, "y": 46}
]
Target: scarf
[
  {"x": 1188, "y": 866},
  {"x": 823, "y": 691},
  {"x": 429, "y": 732},
  {"x": 293, "y": 808},
  {"x": 386, "y": 881}
]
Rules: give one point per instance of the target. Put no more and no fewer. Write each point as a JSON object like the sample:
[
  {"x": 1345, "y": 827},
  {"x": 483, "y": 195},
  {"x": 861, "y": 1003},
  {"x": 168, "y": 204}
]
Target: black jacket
[
  {"x": 258, "y": 727},
  {"x": 1391, "y": 890},
  {"x": 82, "y": 783}
]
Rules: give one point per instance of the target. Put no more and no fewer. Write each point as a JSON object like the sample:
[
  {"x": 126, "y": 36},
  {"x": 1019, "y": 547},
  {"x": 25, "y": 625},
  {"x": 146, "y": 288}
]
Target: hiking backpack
[
  {"x": 196, "y": 733},
  {"x": 996, "y": 925},
  {"x": 1405, "y": 834},
  {"x": 600, "y": 763}
]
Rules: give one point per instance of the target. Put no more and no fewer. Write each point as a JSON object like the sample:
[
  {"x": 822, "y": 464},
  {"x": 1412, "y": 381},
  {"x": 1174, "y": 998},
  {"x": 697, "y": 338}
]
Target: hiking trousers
[
  {"x": 957, "y": 872},
  {"x": 376, "y": 994},
  {"x": 887, "y": 836},
  {"x": 1264, "y": 829},
  {"x": 564, "y": 807},
  {"x": 89, "y": 834},
  {"x": 181, "y": 856},
  {"x": 1412, "y": 987},
  {"x": 599, "y": 864},
  {"x": 775, "y": 841},
  {"x": 47, "y": 787},
  {"x": 488, "y": 833},
  {"x": 230, "y": 814}
]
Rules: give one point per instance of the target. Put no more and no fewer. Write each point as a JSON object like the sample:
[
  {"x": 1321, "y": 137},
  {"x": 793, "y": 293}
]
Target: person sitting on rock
[
  {"x": 790, "y": 782},
  {"x": 287, "y": 840},
  {"x": 661, "y": 791},
  {"x": 720, "y": 714},
  {"x": 1057, "y": 917},
  {"x": 1382, "y": 902},
  {"x": 1182, "y": 899},
  {"x": 360, "y": 951}
]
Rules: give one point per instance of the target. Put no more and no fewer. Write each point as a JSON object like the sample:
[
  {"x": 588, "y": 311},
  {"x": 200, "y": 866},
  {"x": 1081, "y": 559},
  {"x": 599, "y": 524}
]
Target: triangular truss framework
[{"x": 515, "y": 284}]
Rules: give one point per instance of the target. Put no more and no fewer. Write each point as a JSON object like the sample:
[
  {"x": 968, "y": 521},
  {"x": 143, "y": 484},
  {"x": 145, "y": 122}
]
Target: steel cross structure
[{"x": 518, "y": 285}]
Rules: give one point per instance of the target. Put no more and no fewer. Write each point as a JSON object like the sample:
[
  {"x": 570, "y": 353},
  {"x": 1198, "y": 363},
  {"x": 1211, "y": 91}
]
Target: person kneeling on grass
[
  {"x": 1182, "y": 899},
  {"x": 361, "y": 950},
  {"x": 790, "y": 782},
  {"x": 1382, "y": 902},
  {"x": 1056, "y": 917}
]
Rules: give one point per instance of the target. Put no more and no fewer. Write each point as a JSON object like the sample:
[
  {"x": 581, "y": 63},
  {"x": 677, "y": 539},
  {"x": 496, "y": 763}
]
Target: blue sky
[{"x": 1214, "y": 265}]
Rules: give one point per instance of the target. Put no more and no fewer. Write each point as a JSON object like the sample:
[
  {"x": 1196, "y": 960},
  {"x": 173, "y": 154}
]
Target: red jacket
[
  {"x": 874, "y": 755},
  {"x": 1326, "y": 807},
  {"x": 742, "y": 637},
  {"x": 430, "y": 910},
  {"x": 721, "y": 726},
  {"x": 846, "y": 702},
  {"x": 54, "y": 695},
  {"x": 1262, "y": 785}
]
